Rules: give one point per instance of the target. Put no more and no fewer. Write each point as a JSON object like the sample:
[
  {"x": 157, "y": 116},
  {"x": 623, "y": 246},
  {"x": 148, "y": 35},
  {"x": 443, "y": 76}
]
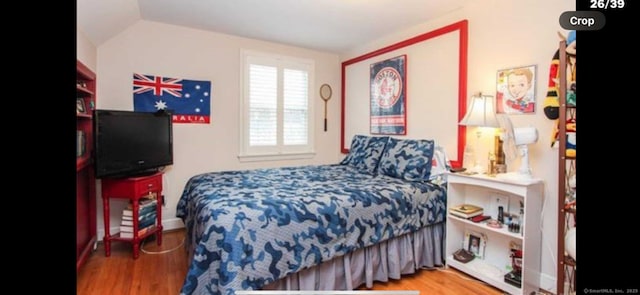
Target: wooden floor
[{"x": 163, "y": 273}]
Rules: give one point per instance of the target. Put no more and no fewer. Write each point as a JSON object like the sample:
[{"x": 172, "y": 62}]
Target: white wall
[
  {"x": 160, "y": 49},
  {"x": 86, "y": 51},
  {"x": 503, "y": 34}
]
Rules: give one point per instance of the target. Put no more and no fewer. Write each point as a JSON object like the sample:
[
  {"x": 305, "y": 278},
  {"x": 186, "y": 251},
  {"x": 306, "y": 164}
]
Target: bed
[{"x": 377, "y": 214}]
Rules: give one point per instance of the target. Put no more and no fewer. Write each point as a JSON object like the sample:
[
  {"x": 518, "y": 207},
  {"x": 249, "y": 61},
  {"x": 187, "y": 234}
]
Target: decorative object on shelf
[
  {"x": 494, "y": 223},
  {"x": 475, "y": 243},
  {"x": 325, "y": 94},
  {"x": 499, "y": 200},
  {"x": 517, "y": 139},
  {"x": 515, "y": 90},
  {"x": 514, "y": 225},
  {"x": 500, "y": 164},
  {"x": 81, "y": 83},
  {"x": 463, "y": 255},
  {"x": 515, "y": 220},
  {"x": 480, "y": 114},
  {"x": 188, "y": 100},
  {"x": 388, "y": 96},
  {"x": 514, "y": 277},
  {"x": 80, "y": 107}
]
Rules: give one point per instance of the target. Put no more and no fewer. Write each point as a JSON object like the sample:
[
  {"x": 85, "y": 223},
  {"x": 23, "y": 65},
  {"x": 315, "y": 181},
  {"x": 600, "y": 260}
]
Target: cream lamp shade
[{"x": 482, "y": 112}]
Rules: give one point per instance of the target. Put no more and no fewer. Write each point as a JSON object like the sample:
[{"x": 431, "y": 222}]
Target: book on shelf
[
  {"x": 128, "y": 220},
  {"x": 129, "y": 229},
  {"x": 480, "y": 218},
  {"x": 145, "y": 207},
  {"x": 146, "y": 220},
  {"x": 141, "y": 232},
  {"x": 147, "y": 214},
  {"x": 466, "y": 210},
  {"x": 141, "y": 225},
  {"x": 145, "y": 201}
]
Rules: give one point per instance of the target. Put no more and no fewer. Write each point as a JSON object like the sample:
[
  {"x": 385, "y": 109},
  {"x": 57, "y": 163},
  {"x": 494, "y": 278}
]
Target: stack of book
[
  {"x": 466, "y": 211},
  {"x": 146, "y": 217}
]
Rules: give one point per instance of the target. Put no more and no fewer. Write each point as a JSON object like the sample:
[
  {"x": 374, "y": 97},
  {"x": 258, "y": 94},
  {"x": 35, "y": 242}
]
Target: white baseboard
[
  {"x": 548, "y": 283},
  {"x": 167, "y": 224}
]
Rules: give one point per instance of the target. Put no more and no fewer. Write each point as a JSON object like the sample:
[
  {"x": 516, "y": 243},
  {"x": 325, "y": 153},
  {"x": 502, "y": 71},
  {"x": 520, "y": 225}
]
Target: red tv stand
[{"x": 132, "y": 188}]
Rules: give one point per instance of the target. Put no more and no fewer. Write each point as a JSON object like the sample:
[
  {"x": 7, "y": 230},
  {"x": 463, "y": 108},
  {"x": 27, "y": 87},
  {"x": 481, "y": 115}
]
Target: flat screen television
[{"x": 129, "y": 143}]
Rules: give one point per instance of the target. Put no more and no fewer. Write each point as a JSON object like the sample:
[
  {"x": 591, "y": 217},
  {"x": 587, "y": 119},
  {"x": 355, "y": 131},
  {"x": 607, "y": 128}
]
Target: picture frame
[
  {"x": 388, "y": 96},
  {"x": 516, "y": 90},
  {"x": 80, "y": 106},
  {"x": 475, "y": 243}
]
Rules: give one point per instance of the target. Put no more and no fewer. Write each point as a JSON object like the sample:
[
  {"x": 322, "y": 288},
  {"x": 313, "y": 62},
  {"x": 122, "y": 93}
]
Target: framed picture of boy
[
  {"x": 475, "y": 243},
  {"x": 515, "y": 90}
]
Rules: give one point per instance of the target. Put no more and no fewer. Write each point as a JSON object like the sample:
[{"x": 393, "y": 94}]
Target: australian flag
[{"x": 188, "y": 100}]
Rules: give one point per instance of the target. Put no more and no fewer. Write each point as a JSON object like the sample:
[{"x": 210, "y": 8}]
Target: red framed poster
[{"x": 388, "y": 96}]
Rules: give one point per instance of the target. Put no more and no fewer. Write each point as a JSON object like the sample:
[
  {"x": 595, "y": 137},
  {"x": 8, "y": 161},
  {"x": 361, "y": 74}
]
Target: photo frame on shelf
[
  {"x": 475, "y": 243},
  {"x": 516, "y": 90},
  {"x": 80, "y": 107}
]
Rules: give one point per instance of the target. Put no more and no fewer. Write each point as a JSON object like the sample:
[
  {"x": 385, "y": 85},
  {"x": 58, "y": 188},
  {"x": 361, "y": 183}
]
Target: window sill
[{"x": 276, "y": 157}]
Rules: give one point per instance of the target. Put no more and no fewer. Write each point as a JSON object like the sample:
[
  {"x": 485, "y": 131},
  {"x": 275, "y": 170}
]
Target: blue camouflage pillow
[
  {"x": 365, "y": 153},
  {"x": 407, "y": 159}
]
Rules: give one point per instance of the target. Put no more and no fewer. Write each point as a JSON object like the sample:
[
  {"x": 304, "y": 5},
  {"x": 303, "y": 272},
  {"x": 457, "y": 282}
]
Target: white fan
[{"x": 517, "y": 140}]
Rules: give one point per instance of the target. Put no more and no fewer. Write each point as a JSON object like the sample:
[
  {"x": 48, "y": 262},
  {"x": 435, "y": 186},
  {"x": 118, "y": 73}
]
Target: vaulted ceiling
[{"x": 326, "y": 25}]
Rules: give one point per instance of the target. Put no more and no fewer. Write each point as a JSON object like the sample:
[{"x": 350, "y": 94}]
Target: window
[{"x": 277, "y": 113}]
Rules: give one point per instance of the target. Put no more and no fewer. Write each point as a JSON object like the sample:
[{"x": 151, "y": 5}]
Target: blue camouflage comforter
[{"x": 249, "y": 228}]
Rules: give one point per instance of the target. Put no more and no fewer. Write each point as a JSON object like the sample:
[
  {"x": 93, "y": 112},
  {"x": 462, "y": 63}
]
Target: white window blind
[
  {"x": 277, "y": 112},
  {"x": 296, "y": 115},
  {"x": 263, "y": 102}
]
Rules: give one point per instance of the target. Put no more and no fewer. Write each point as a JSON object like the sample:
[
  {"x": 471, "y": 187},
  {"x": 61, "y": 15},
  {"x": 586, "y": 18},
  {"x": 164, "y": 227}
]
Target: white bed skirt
[{"x": 380, "y": 262}]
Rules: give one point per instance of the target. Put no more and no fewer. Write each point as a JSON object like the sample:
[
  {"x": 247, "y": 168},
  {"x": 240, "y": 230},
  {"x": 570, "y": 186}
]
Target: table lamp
[{"x": 481, "y": 114}]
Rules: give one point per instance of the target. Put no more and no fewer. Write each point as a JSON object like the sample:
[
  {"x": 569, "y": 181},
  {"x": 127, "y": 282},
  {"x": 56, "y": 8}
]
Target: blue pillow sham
[
  {"x": 365, "y": 153},
  {"x": 408, "y": 159}
]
